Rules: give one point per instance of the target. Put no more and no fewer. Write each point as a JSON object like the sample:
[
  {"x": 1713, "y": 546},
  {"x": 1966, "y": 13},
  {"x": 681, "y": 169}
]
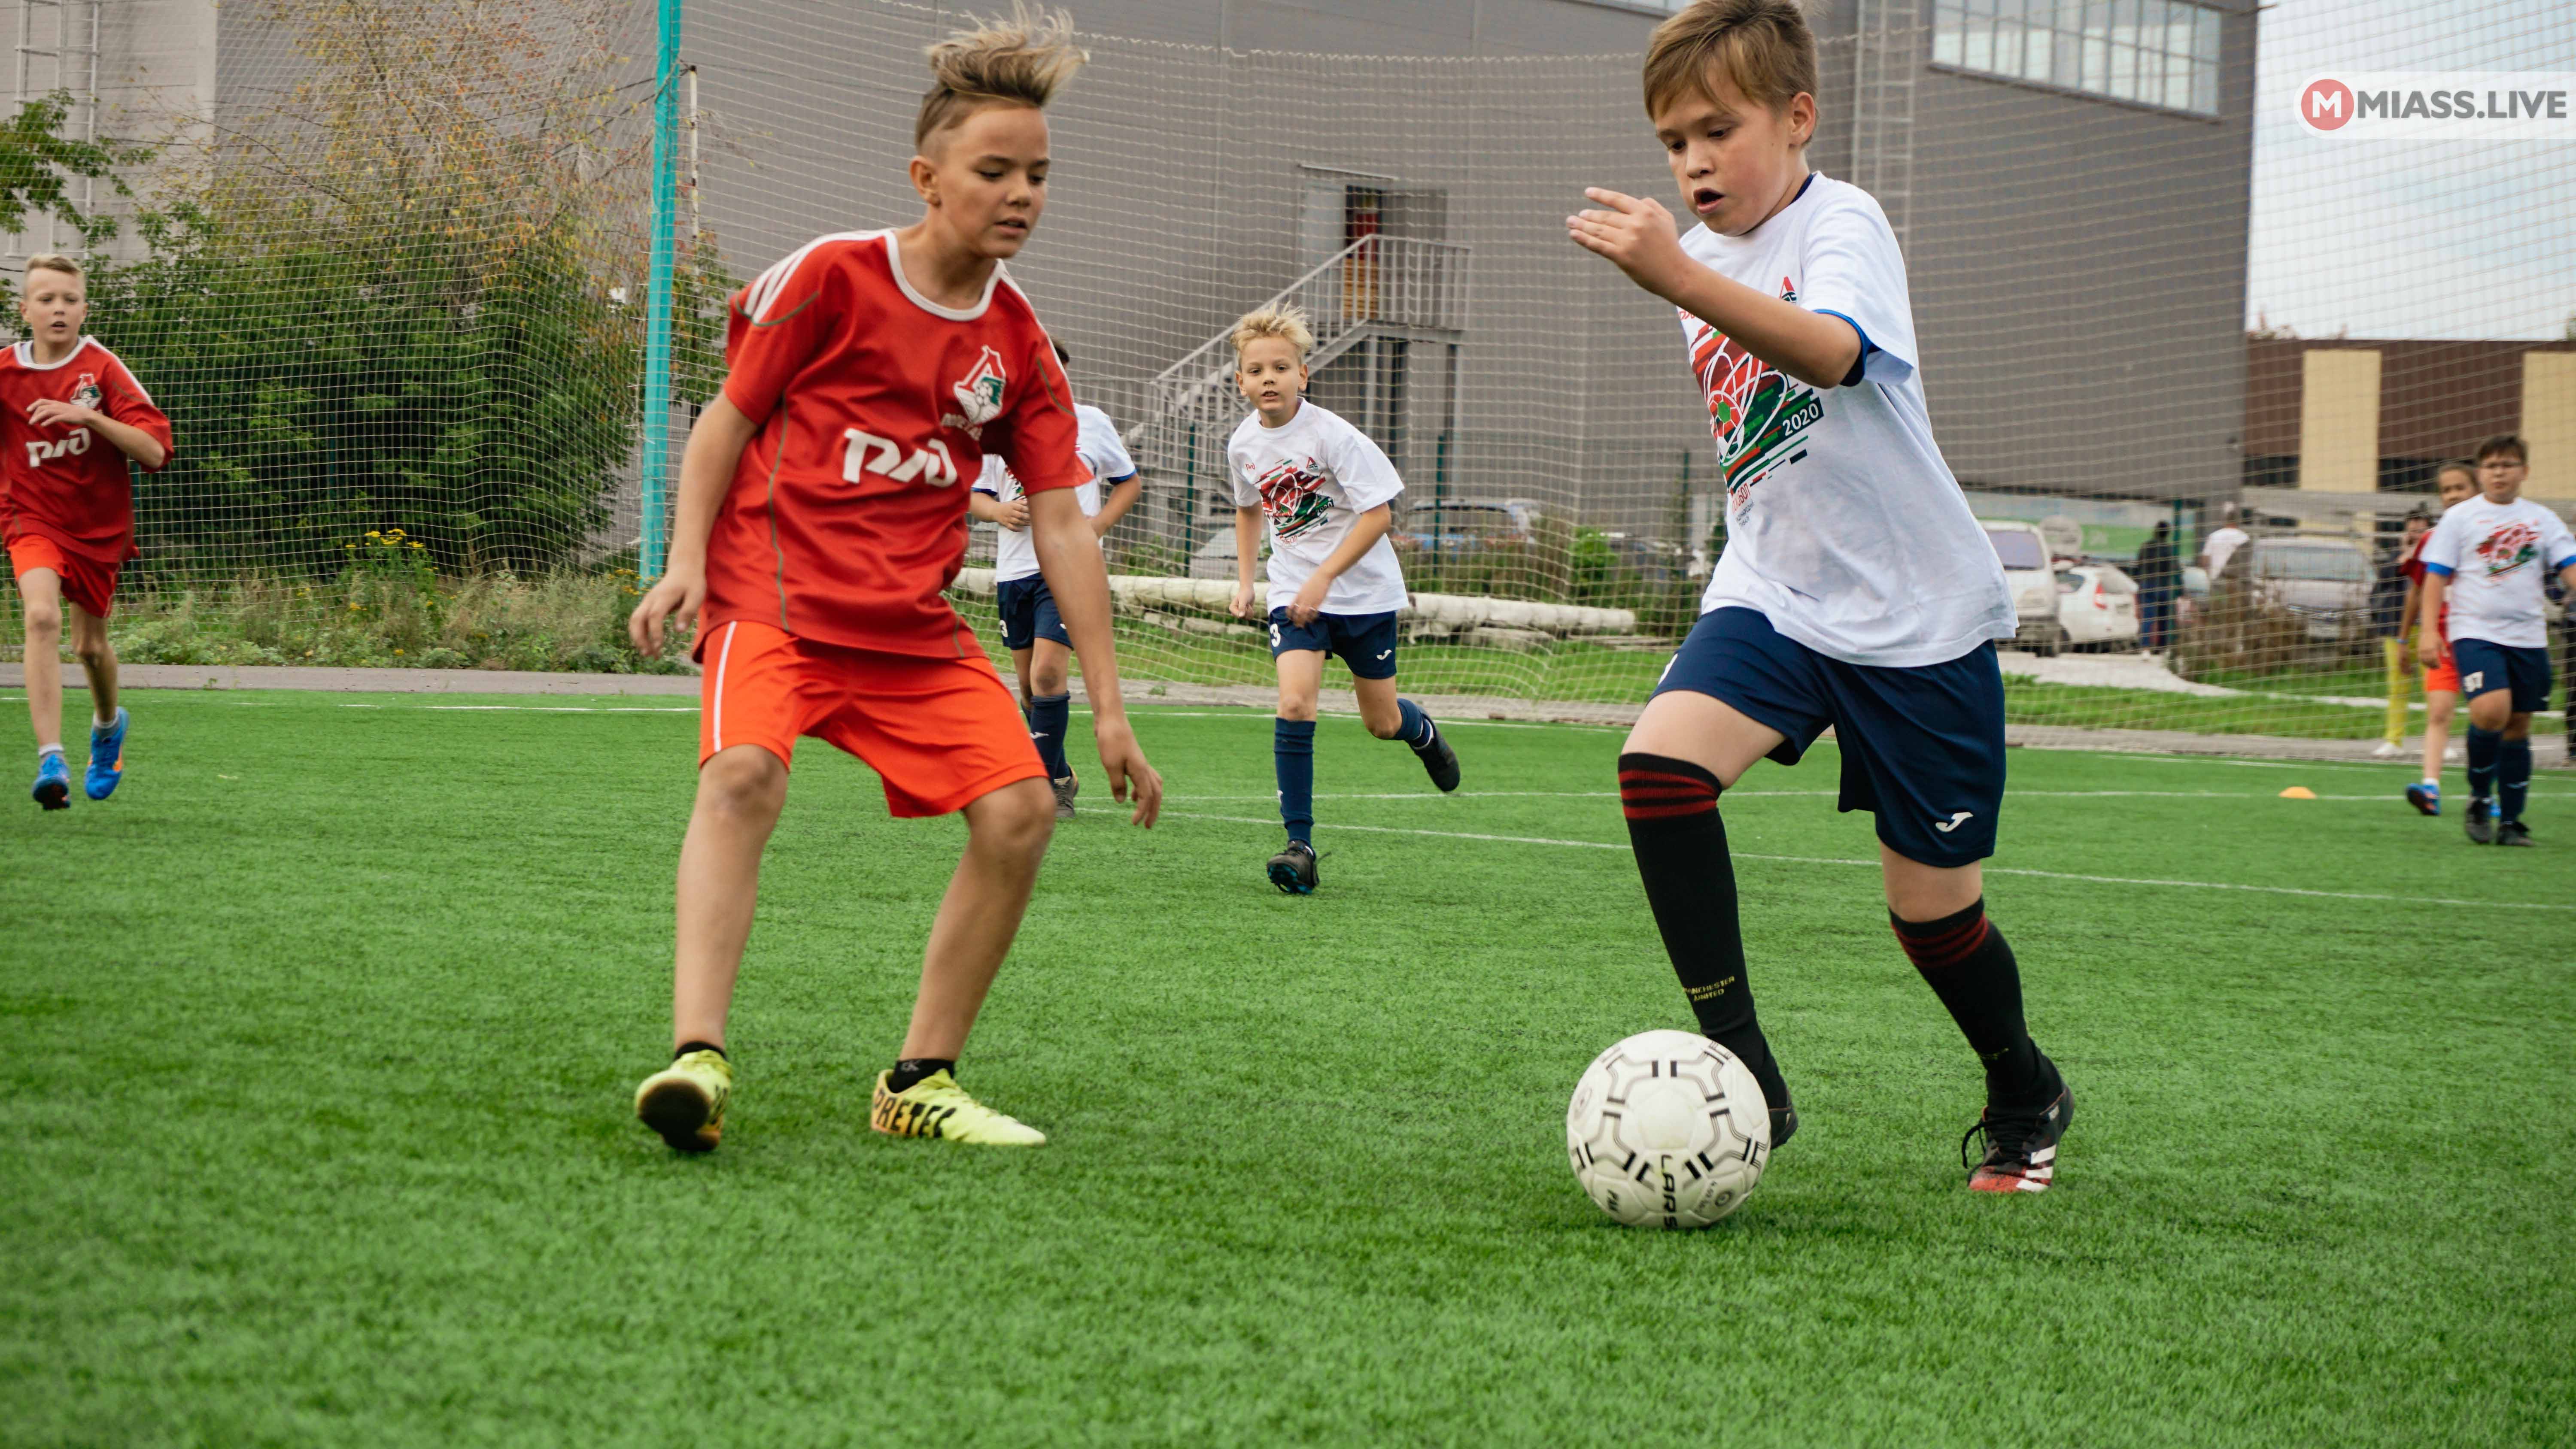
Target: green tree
[
  {"x": 390, "y": 299},
  {"x": 38, "y": 163}
]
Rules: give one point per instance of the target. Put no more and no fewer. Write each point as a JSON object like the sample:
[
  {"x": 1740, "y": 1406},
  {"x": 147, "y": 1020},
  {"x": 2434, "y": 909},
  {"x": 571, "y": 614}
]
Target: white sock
[{"x": 44, "y": 750}]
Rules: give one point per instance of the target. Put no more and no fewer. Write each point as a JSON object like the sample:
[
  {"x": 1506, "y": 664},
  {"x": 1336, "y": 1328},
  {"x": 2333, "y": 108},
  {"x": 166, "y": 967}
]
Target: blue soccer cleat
[
  {"x": 106, "y": 757},
  {"x": 53, "y": 781},
  {"x": 2426, "y": 797}
]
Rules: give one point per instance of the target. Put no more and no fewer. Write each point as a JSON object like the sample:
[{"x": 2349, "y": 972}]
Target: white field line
[
  {"x": 2384, "y": 797},
  {"x": 221, "y": 697},
  {"x": 2199, "y": 885}
]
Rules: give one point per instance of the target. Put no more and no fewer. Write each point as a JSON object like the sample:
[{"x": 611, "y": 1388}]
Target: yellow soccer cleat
[
  {"x": 685, "y": 1101},
  {"x": 938, "y": 1107}
]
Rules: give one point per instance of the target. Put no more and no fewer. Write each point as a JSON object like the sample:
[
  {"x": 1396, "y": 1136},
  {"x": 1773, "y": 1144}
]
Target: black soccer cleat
[
  {"x": 2479, "y": 820},
  {"x": 1439, "y": 761},
  {"x": 2513, "y": 832},
  {"x": 1293, "y": 869},
  {"x": 2021, "y": 1142}
]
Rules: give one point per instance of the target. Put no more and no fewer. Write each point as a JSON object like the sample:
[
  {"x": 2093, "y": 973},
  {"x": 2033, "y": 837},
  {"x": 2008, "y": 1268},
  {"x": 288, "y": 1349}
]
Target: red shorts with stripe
[
  {"x": 86, "y": 581},
  {"x": 942, "y": 732}
]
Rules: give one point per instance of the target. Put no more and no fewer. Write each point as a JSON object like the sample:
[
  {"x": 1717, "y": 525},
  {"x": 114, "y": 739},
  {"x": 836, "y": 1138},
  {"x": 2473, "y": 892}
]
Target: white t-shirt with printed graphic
[
  {"x": 1312, "y": 477},
  {"x": 1015, "y": 550},
  {"x": 2498, "y": 556},
  {"x": 1843, "y": 525}
]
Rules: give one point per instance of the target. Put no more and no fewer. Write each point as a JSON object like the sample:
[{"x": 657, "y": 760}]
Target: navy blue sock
[
  {"x": 1416, "y": 728},
  {"x": 2513, "y": 777},
  {"x": 1292, "y": 746},
  {"x": 2484, "y": 746},
  {"x": 1048, "y": 714}
]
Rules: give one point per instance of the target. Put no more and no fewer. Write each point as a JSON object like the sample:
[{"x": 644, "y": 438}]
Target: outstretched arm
[
  {"x": 1639, "y": 236},
  {"x": 706, "y": 469},
  {"x": 1069, "y": 557}
]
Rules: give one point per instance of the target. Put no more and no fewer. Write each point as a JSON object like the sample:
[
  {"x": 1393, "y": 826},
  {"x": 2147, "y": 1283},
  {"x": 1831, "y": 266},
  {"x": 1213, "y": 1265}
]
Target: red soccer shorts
[
  {"x": 943, "y": 732},
  {"x": 2442, "y": 676},
  {"x": 86, "y": 581}
]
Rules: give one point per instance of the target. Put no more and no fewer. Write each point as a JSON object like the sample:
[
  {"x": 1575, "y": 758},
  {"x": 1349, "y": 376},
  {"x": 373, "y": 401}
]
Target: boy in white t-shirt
[
  {"x": 1856, "y": 590},
  {"x": 1041, "y": 650},
  {"x": 2487, "y": 559},
  {"x": 1327, "y": 494}
]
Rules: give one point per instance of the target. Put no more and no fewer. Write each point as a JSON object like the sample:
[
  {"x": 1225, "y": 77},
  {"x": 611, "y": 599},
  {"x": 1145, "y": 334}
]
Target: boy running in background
[
  {"x": 1328, "y": 495},
  {"x": 1032, "y": 628},
  {"x": 1856, "y": 591},
  {"x": 75, "y": 417},
  {"x": 2458, "y": 482},
  {"x": 2485, "y": 561},
  {"x": 822, "y": 511}
]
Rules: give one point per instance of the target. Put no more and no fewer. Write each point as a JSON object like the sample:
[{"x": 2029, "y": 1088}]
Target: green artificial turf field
[{"x": 321, "y": 1037}]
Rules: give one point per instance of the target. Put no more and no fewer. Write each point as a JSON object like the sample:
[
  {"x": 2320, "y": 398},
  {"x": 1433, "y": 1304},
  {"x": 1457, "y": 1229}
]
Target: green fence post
[{"x": 652, "y": 546}]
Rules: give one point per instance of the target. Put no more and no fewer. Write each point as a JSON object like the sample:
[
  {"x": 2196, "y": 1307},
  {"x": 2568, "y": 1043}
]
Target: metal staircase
[{"x": 1381, "y": 298}]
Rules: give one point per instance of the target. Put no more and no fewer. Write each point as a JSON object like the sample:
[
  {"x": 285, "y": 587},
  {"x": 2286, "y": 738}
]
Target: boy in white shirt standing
[
  {"x": 1041, "y": 649},
  {"x": 1327, "y": 494},
  {"x": 2486, "y": 559},
  {"x": 1856, "y": 591}
]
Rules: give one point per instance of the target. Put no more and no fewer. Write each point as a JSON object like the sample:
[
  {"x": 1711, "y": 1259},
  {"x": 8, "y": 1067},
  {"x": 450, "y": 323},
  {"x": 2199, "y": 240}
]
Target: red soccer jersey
[
  {"x": 64, "y": 481},
  {"x": 2412, "y": 566},
  {"x": 847, "y": 514}
]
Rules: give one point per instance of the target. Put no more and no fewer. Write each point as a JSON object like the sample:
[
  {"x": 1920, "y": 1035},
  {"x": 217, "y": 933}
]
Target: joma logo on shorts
[
  {"x": 868, "y": 453},
  {"x": 39, "y": 450}
]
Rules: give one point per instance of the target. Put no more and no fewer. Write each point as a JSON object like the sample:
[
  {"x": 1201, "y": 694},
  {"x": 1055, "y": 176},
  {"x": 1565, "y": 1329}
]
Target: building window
[{"x": 2153, "y": 52}]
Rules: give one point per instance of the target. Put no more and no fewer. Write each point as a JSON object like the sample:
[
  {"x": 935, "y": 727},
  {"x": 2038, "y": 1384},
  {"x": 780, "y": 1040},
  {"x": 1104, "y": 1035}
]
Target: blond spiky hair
[
  {"x": 1288, "y": 324},
  {"x": 1022, "y": 61}
]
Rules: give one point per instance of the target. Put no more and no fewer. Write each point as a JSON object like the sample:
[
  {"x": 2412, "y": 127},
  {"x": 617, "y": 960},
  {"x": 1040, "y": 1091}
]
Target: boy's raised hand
[
  {"x": 1635, "y": 232},
  {"x": 677, "y": 594}
]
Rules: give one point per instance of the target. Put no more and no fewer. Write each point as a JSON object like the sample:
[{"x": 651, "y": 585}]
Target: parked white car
[
  {"x": 2060, "y": 603},
  {"x": 2097, "y": 606},
  {"x": 2023, "y": 552}
]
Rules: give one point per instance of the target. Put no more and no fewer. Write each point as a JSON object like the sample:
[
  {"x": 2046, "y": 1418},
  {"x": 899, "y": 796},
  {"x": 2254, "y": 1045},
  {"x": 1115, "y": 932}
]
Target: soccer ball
[{"x": 1668, "y": 1129}]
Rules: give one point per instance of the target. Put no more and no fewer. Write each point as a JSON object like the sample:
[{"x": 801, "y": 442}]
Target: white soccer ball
[{"x": 1668, "y": 1129}]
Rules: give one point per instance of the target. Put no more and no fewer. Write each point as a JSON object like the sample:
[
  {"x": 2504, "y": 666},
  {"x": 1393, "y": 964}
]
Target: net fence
[{"x": 390, "y": 279}]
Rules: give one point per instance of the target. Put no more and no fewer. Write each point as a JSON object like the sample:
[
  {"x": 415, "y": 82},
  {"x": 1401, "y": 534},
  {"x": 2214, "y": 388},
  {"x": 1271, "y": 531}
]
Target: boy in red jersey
[
  {"x": 75, "y": 416},
  {"x": 822, "y": 510}
]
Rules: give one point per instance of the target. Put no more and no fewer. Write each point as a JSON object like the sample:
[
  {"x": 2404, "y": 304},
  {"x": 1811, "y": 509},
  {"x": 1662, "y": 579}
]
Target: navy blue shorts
[
  {"x": 1028, "y": 613},
  {"x": 1366, "y": 642},
  {"x": 2486, "y": 667},
  {"x": 1923, "y": 749}
]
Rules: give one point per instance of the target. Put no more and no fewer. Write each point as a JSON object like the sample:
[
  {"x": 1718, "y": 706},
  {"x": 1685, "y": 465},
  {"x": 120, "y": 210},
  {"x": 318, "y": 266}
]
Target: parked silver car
[{"x": 2324, "y": 581}]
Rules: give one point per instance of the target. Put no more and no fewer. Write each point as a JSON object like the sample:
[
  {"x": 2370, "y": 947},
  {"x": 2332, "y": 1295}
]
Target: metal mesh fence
[{"x": 393, "y": 277}]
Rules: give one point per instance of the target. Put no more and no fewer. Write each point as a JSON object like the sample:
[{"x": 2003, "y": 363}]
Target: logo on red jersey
[
  {"x": 85, "y": 392},
  {"x": 866, "y": 453},
  {"x": 2509, "y": 548},
  {"x": 75, "y": 445},
  {"x": 1292, "y": 496},
  {"x": 1755, "y": 412},
  {"x": 979, "y": 397}
]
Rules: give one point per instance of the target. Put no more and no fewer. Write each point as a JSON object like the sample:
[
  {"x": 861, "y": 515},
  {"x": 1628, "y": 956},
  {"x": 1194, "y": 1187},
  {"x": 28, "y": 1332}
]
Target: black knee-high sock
[
  {"x": 2513, "y": 777},
  {"x": 1964, "y": 960},
  {"x": 2484, "y": 746},
  {"x": 1690, "y": 881}
]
